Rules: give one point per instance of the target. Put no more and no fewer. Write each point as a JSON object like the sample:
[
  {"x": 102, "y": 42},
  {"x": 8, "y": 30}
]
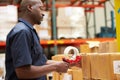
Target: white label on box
[{"x": 116, "y": 66}]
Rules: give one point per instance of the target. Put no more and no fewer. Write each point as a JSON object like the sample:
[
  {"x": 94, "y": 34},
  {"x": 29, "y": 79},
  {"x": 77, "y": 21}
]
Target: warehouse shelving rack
[
  {"x": 89, "y": 6},
  {"x": 77, "y": 42},
  {"x": 55, "y": 42},
  {"x": 66, "y": 41}
]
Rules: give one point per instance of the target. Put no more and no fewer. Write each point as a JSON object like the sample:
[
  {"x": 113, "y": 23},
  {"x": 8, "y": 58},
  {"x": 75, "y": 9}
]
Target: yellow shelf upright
[{"x": 117, "y": 13}]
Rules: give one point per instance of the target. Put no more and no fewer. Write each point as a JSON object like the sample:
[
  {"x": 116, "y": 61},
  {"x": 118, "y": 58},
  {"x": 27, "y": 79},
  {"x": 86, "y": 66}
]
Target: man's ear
[{"x": 29, "y": 7}]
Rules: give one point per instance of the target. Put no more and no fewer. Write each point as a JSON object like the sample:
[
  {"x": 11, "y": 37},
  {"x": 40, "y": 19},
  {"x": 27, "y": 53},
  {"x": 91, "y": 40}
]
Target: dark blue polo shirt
[{"x": 23, "y": 48}]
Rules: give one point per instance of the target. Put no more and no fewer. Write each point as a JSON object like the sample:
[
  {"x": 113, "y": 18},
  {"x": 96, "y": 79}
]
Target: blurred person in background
[{"x": 25, "y": 59}]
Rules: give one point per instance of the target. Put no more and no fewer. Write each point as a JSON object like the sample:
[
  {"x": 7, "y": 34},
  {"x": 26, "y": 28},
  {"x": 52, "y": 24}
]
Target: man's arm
[
  {"x": 50, "y": 62},
  {"x": 29, "y": 72}
]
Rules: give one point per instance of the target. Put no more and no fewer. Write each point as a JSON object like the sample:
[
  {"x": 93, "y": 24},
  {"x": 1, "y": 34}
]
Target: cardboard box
[
  {"x": 113, "y": 46},
  {"x": 84, "y": 48},
  {"x": 100, "y": 66},
  {"x": 114, "y": 57},
  {"x": 103, "y": 47},
  {"x": 57, "y": 57},
  {"x": 56, "y": 76},
  {"x": 86, "y": 69},
  {"x": 118, "y": 76},
  {"x": 108, "y": 46},
  {"x": 77, "y": 74}
]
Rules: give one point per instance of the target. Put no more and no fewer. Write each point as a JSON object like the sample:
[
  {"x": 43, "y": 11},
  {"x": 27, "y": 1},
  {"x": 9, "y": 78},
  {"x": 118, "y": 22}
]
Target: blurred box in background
[
  {"x": 8, "y": 18},
  {"x": 71, "y": 22},
  {"x": 2, "y": 66},
  {"x": 99, "y": 47}
]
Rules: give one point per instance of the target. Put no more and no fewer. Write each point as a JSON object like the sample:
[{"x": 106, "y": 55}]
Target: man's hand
[{"x": 61, "y": 66}]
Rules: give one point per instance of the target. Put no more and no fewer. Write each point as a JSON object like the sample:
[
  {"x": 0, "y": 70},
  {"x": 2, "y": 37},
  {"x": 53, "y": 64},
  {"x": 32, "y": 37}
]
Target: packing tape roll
[{"x": 68, "y": 49}]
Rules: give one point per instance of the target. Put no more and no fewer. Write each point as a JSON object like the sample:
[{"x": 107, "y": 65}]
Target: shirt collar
[{"x": 26, "y": 23}]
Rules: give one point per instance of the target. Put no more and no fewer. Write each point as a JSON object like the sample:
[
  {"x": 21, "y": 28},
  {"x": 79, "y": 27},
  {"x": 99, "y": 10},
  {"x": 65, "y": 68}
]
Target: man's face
[{"x": 37, "y": 12}]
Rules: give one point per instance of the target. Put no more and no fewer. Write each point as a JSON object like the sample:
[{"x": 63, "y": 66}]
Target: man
[{"x": 24, "y": 55}]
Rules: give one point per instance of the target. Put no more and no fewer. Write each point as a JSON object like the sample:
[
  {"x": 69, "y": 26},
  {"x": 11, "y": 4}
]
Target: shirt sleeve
[{"x": 21, "y": 49}]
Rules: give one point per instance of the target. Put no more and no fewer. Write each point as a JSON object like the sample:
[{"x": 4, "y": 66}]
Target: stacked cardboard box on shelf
[
  {"x": 94, "y": 66},
  {"x": 97, "y": 61},
  {"x": 8, "y": 18},
  {"x": 100, "y": 47},
  {"x": 100, "y": 66},
  {"x": 108, "y": 46},
  {"x": 71, "y": 22},
  {"x": 44, "y": 29}
]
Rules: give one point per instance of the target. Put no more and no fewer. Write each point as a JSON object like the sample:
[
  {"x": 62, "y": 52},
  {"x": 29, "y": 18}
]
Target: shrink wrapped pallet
[
  {"x": 71, "y": 26},
  {"x": 8, "y": 14}
]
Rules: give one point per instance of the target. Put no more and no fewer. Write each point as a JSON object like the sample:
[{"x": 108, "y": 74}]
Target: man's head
[{"x": 32, "y": 10}]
